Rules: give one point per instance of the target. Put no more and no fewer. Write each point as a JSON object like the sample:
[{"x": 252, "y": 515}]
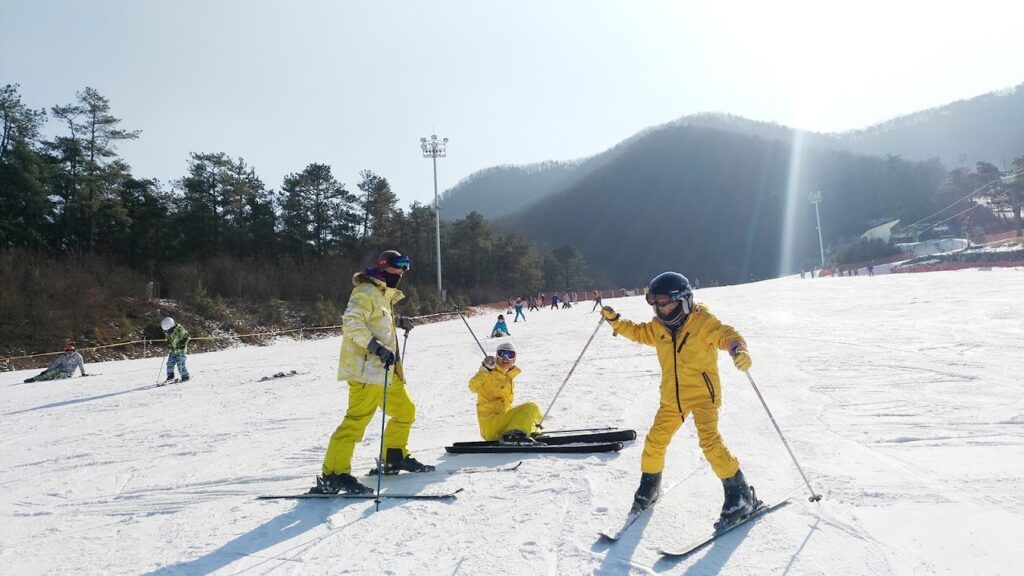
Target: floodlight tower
[
  {"x": 815, "y": 198},
  {"x": 435, "y": 149}
]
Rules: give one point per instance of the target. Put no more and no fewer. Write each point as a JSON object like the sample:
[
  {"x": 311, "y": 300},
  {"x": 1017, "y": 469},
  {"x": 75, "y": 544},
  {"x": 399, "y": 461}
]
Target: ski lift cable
[{"x": 975, "y": 191}]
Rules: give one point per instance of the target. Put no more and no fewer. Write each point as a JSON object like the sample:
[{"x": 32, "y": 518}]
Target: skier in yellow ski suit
[
  {"x": 369, "y": 351},
  {"x": 495, "y": 389},
  {"x": 687, "y": 338}
]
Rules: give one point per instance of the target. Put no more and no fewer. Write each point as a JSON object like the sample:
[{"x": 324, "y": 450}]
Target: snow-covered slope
[{"x": 901, "y": 396}]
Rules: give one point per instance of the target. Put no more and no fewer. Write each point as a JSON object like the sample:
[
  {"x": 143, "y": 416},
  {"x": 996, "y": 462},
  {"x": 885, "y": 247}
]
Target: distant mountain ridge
[{"x": 724, "y": 198}]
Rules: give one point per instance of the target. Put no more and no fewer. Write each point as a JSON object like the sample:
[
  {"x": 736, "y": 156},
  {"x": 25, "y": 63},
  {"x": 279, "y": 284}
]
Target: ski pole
[
  {"x": 160, "y": 371},
  {"x": 564, "y": 382},
  {"x": 405, "y": 344},
  {"x": 464, "y": 321},
  {"x": 383, "y": 420},
  {"x": 814, "y": 497}
]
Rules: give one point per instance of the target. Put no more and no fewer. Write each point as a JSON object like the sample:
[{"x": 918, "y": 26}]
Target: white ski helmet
[{"x": 167, "y": 323}]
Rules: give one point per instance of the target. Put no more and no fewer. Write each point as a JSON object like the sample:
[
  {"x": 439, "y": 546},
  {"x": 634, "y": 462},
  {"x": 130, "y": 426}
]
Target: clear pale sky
[{"x": 356, "y": 84}]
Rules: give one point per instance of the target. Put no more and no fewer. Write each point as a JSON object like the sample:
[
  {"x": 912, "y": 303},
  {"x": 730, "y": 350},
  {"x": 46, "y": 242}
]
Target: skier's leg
[
  {"x": 401, "y": 413},
  {"x": 181, "y": 366},
  {"x": 666, "y": 422},
  {"x": 48, "y": 374},
  {"x": 172, "y": 359},
  {"x": 363, "y": 401},
  {"x": 523, "y": 417},
  {"x": 724, "y": 464}
]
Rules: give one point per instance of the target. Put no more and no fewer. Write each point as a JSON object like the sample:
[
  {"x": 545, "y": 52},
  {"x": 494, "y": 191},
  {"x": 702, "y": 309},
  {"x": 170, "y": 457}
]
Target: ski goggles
[
  {"x": 506, "y": 354},
  {"x": 398, "y": 262},
  {"x": 662, "y": 299}
]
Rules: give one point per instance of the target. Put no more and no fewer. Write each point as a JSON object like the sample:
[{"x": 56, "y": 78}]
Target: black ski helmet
[{"x": 675, "y": 286}]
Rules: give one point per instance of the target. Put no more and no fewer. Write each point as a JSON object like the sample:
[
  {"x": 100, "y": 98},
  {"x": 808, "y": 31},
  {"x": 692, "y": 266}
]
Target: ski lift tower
[
  {"x": 815, "y": 198},
  {"x": 435, "y": 149}
]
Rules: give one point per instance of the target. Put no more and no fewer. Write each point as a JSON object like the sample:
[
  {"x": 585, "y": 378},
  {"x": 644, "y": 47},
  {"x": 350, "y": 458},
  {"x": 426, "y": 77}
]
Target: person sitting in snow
[
  {"x": 498, "y": 418},
  {"x": 687, "y": 338},
  {"x": 177, "y": 344},
  {"x": 63, "y": 367},
  {"x": 500, "y": 329}
]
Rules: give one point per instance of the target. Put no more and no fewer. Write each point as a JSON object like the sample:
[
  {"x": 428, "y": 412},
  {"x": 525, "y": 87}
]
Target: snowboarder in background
[
  {"x": 498, "y": 418},
  {"x": 63, "y": 367},
  {"x": 368, "y": 357},
  {"x": 687, "y": 338},
  {"x": 177, "y": 344},
  {"x": 519, "y": 310},
  {"x": 500, "y": 329},
  {"x": 597, "y": 300}
]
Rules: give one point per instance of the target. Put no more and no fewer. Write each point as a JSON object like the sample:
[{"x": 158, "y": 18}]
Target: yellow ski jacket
[
  {"x": 495, "y": 390},
  {"x": 370, "y": 314},
  {"x": 689, "y": 358}
]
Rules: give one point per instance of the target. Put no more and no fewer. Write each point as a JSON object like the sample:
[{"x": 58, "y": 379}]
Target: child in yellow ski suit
[
  {"x": 495, "y": 389},
  {"x": 687, "y": 338}
]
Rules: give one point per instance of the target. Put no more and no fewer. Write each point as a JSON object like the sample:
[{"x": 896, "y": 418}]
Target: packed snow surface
[{"x": 900, "y": 395}]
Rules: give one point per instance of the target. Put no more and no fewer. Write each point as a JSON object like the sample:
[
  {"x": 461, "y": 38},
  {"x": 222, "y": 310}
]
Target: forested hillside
[{"x": 82, "y": 237}]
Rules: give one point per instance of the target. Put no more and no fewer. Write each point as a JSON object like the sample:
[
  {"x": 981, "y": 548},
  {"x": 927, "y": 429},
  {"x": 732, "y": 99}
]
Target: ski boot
[
  {"x": 648, "y": 492},
  {"x": 337, "y": 483},
  {"x": 516, "y": 438},
  {"x": 739, "y": 501},
  {"x": 170, "y": 378},
  {"x": 395, "y": 461}
]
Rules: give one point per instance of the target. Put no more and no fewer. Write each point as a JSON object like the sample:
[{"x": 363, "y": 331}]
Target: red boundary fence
[{"x": 940, "y": 266}]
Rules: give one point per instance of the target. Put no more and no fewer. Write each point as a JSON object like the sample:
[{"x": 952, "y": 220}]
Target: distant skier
[
  {"x": 63, "y": 367},
  {"x": 554, "y": 301},
  {"x": 687, "y": 338},
  {"x": 177, "y": 344},
  {"x": 498, "y": 418},
  {"x": 532, "y": 300},
  {"x": 519, "y": 311},
  {"x": 500, "y": 329},
  {"x": 369, "y": 351},
  {"x": 566, "y": 301},
  {"x": 597, "y": 300}
]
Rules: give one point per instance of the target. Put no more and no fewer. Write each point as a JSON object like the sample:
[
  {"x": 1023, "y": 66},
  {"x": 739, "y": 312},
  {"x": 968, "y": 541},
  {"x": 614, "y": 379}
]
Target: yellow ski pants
[
  {"x": 668, "y": 420},
  {"x": 363, "y": 402},
  {"x": 523, "y": 417}
]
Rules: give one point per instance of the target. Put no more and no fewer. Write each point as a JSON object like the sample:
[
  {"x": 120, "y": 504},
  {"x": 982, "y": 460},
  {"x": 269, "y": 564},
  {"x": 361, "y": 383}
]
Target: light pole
[
  {"x": 815, "y": 198},
  {"x": 435, "y": 149}
]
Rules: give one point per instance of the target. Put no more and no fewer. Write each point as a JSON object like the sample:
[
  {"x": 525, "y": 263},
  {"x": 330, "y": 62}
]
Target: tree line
[{"x": 222, "y": 230}]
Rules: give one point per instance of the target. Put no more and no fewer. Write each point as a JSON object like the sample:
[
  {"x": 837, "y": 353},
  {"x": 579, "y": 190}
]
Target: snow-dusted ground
[{"x": 901, "y": 395}]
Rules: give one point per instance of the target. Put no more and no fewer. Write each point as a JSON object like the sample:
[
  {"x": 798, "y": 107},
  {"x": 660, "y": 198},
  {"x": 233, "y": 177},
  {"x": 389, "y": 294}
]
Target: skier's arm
[
  {"x": 725, "y": 337},
  {"x": 478, "y": 382},
  {"x": 353, "y": 321},
  {"x": 79, "y": 363},
  {"x": 640, "y": 333}
]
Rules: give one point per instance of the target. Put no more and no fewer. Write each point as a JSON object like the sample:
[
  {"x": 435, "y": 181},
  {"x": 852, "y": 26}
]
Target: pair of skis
[
  {"x": 395, "y": 496},
  {"x": 761, "y": 509},
  {"x": 561, "y": 442}
]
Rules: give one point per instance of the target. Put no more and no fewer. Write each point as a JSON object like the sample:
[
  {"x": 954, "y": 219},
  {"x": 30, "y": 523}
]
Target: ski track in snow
[{"x": 899, "y": 394}]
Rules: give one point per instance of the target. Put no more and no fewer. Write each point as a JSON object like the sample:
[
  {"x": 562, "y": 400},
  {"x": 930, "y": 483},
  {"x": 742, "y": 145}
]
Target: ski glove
[
  {"x": 740, "y": 357},
  {"x": 403, "y": 322},
  {"x": 609, "y": 313},
  {"x": 490, "y": 362},
  {"x": 383, "y": 352}
]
